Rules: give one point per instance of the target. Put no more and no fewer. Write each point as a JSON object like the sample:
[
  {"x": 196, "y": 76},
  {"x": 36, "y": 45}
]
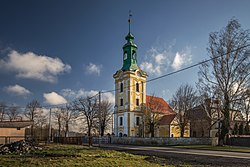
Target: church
[{"x": 131, "y": 98}]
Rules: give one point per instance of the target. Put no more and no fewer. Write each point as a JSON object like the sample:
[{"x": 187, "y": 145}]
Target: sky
[{"x": 56, "y": 51}]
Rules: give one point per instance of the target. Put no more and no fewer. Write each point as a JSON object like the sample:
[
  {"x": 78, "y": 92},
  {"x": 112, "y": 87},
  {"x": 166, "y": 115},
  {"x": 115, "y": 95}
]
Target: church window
[
  {"x": 137, "y": 102},
  {"x": 137, "y": 121},
  {"x": 125, "y": 56},
  {"x": 137, "y": 87},
  {"x": 121, "y": 121},
  {"x": 121, "y": 102},
  {"x": 134, "y": 55},
  {"x": 121, "y": 87}
]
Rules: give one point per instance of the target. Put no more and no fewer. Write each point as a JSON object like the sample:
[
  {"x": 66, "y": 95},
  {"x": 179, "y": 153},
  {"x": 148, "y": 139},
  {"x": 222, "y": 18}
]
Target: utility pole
[
  {"x": 100, "y": 118},
  {"x": 49, "y": 126}
]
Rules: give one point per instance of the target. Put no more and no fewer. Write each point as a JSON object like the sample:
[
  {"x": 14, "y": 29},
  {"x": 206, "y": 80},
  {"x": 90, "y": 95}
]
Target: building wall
[
  {"x": 12, "y": 132},
  {"x": 164, "y": 131},
  {"x": 129, "y": 111},
  {"x": 200, "y": 128},
  {"x": 8, "y": 135},
  {"x": 175, "y": 130}
]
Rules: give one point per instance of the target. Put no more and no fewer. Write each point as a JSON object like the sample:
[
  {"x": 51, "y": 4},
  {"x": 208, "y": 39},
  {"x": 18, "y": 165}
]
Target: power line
[
  {"x": 183, "y": 69},
  {"x": 153, "y": 79}
]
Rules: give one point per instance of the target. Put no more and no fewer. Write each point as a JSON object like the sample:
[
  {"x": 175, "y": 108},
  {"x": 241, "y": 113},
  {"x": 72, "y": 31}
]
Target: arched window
[
  {"x": 134, "y": 55},
  {"x": 137, "y": 102},
  {"x": 137, "y": 121},
  {"x": 121, "y": 102},
  {"x": 125, "y": 56},
  {"x": 137, "y": 87},
  {"x": 121, "y": 87},
  {"x": 121, "y": 121}
]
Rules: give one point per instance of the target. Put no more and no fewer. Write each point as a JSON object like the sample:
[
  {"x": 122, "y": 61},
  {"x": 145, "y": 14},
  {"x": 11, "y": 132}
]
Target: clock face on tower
[{"x": 125, "y": 56}]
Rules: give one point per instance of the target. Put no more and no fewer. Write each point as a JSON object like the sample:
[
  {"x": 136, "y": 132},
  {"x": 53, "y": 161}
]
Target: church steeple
[
  {"x": 130, "y": 91},
  {"x": 129, "y": 51}
]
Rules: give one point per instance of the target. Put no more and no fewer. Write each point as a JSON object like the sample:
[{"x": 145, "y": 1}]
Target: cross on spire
[{"x": 129, "y": 20}]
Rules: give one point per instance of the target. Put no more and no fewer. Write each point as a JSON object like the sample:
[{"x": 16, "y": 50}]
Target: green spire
[{"x": 129, "y": 51}]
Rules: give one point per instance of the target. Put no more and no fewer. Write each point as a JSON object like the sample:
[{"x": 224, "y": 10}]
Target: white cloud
[
  {"x": 33, "y": 66},
  {"x": 150, "y": 68},
  {"x": 156, "y": 62},
  {"x": 54, "y": 99},
  {"x": 159, "y": 59},
  {"x": 17, "y": 90},
  {"x": 74, "y": 94},
  {"x": 93, "y": 69},
  {"x": 182, "y": 59}
]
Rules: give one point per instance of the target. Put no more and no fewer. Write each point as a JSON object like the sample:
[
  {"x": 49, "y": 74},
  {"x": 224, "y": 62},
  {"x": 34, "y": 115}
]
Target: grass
[
  {"x": 76, "y": 155},
  {"x": 217, "y": 148}
]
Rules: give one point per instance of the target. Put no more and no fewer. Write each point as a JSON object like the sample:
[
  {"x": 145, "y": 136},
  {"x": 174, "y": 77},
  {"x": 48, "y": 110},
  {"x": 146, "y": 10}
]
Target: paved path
[{"x": 208, "y": 157}]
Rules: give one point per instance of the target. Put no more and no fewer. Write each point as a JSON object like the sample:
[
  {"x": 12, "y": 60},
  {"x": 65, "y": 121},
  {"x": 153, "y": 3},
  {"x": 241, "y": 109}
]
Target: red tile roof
[
  {"x": 167, "y": 119},
  {"x": 159, "y": 105}
]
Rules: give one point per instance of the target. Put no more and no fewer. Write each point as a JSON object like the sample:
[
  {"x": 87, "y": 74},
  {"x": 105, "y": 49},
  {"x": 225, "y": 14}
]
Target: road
[{"x": 193, "y": 156}]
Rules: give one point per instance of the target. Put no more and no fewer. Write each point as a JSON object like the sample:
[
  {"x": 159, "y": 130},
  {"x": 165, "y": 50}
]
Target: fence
[
  {"x": 164, "y": 141},
  {"x": 82, "y": 140},
  {"x": 136, "y": 141},
  {"x": 243, "y": 141}
]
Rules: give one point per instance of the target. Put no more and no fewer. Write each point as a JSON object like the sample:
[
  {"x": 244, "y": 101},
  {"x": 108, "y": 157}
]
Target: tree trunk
[
  {"x": 32, "y": 131},
  {"x": 182, "y": 130},
  {"x": 90, "y": 137},
  {"x": 66, "y": 129},
  {"x": 102, "y": 130},
  {"x": 152, "y": 129},
  {"x": 59, "y": 129},
  {"x": 224, "y": 129}
]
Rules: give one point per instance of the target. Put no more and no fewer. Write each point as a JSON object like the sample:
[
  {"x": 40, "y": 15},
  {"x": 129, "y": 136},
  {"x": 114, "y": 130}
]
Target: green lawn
[
  {"x": 76, "y": 155},
  {"x": 220, "y": 148}
]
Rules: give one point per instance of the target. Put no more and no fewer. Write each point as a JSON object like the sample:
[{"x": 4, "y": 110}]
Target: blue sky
[{"x": 54, "y": 51}]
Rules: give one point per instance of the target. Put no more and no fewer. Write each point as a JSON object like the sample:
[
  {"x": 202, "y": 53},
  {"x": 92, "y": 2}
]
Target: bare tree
[
  {"x": 68, "y": 115},
  {"x": 58, "y": 116},
  {"x": 32, "y": 110},
  {"x": 2, "y": 111},
  {"x": 227, "y": 75},
  {"x": 246, "y": 105},
  {"x": 104, "y": 117},
  {"x": 41, "y": 121},
  {"x": 13, "y": 113},
  {"x": 152, "y": 114},
  {"x": 88, "y": 107},
  {"x": 183, "y": 100}
]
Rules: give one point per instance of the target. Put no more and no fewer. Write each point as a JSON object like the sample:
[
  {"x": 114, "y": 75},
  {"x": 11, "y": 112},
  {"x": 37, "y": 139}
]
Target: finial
[{"x": 129, "y": 20}]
